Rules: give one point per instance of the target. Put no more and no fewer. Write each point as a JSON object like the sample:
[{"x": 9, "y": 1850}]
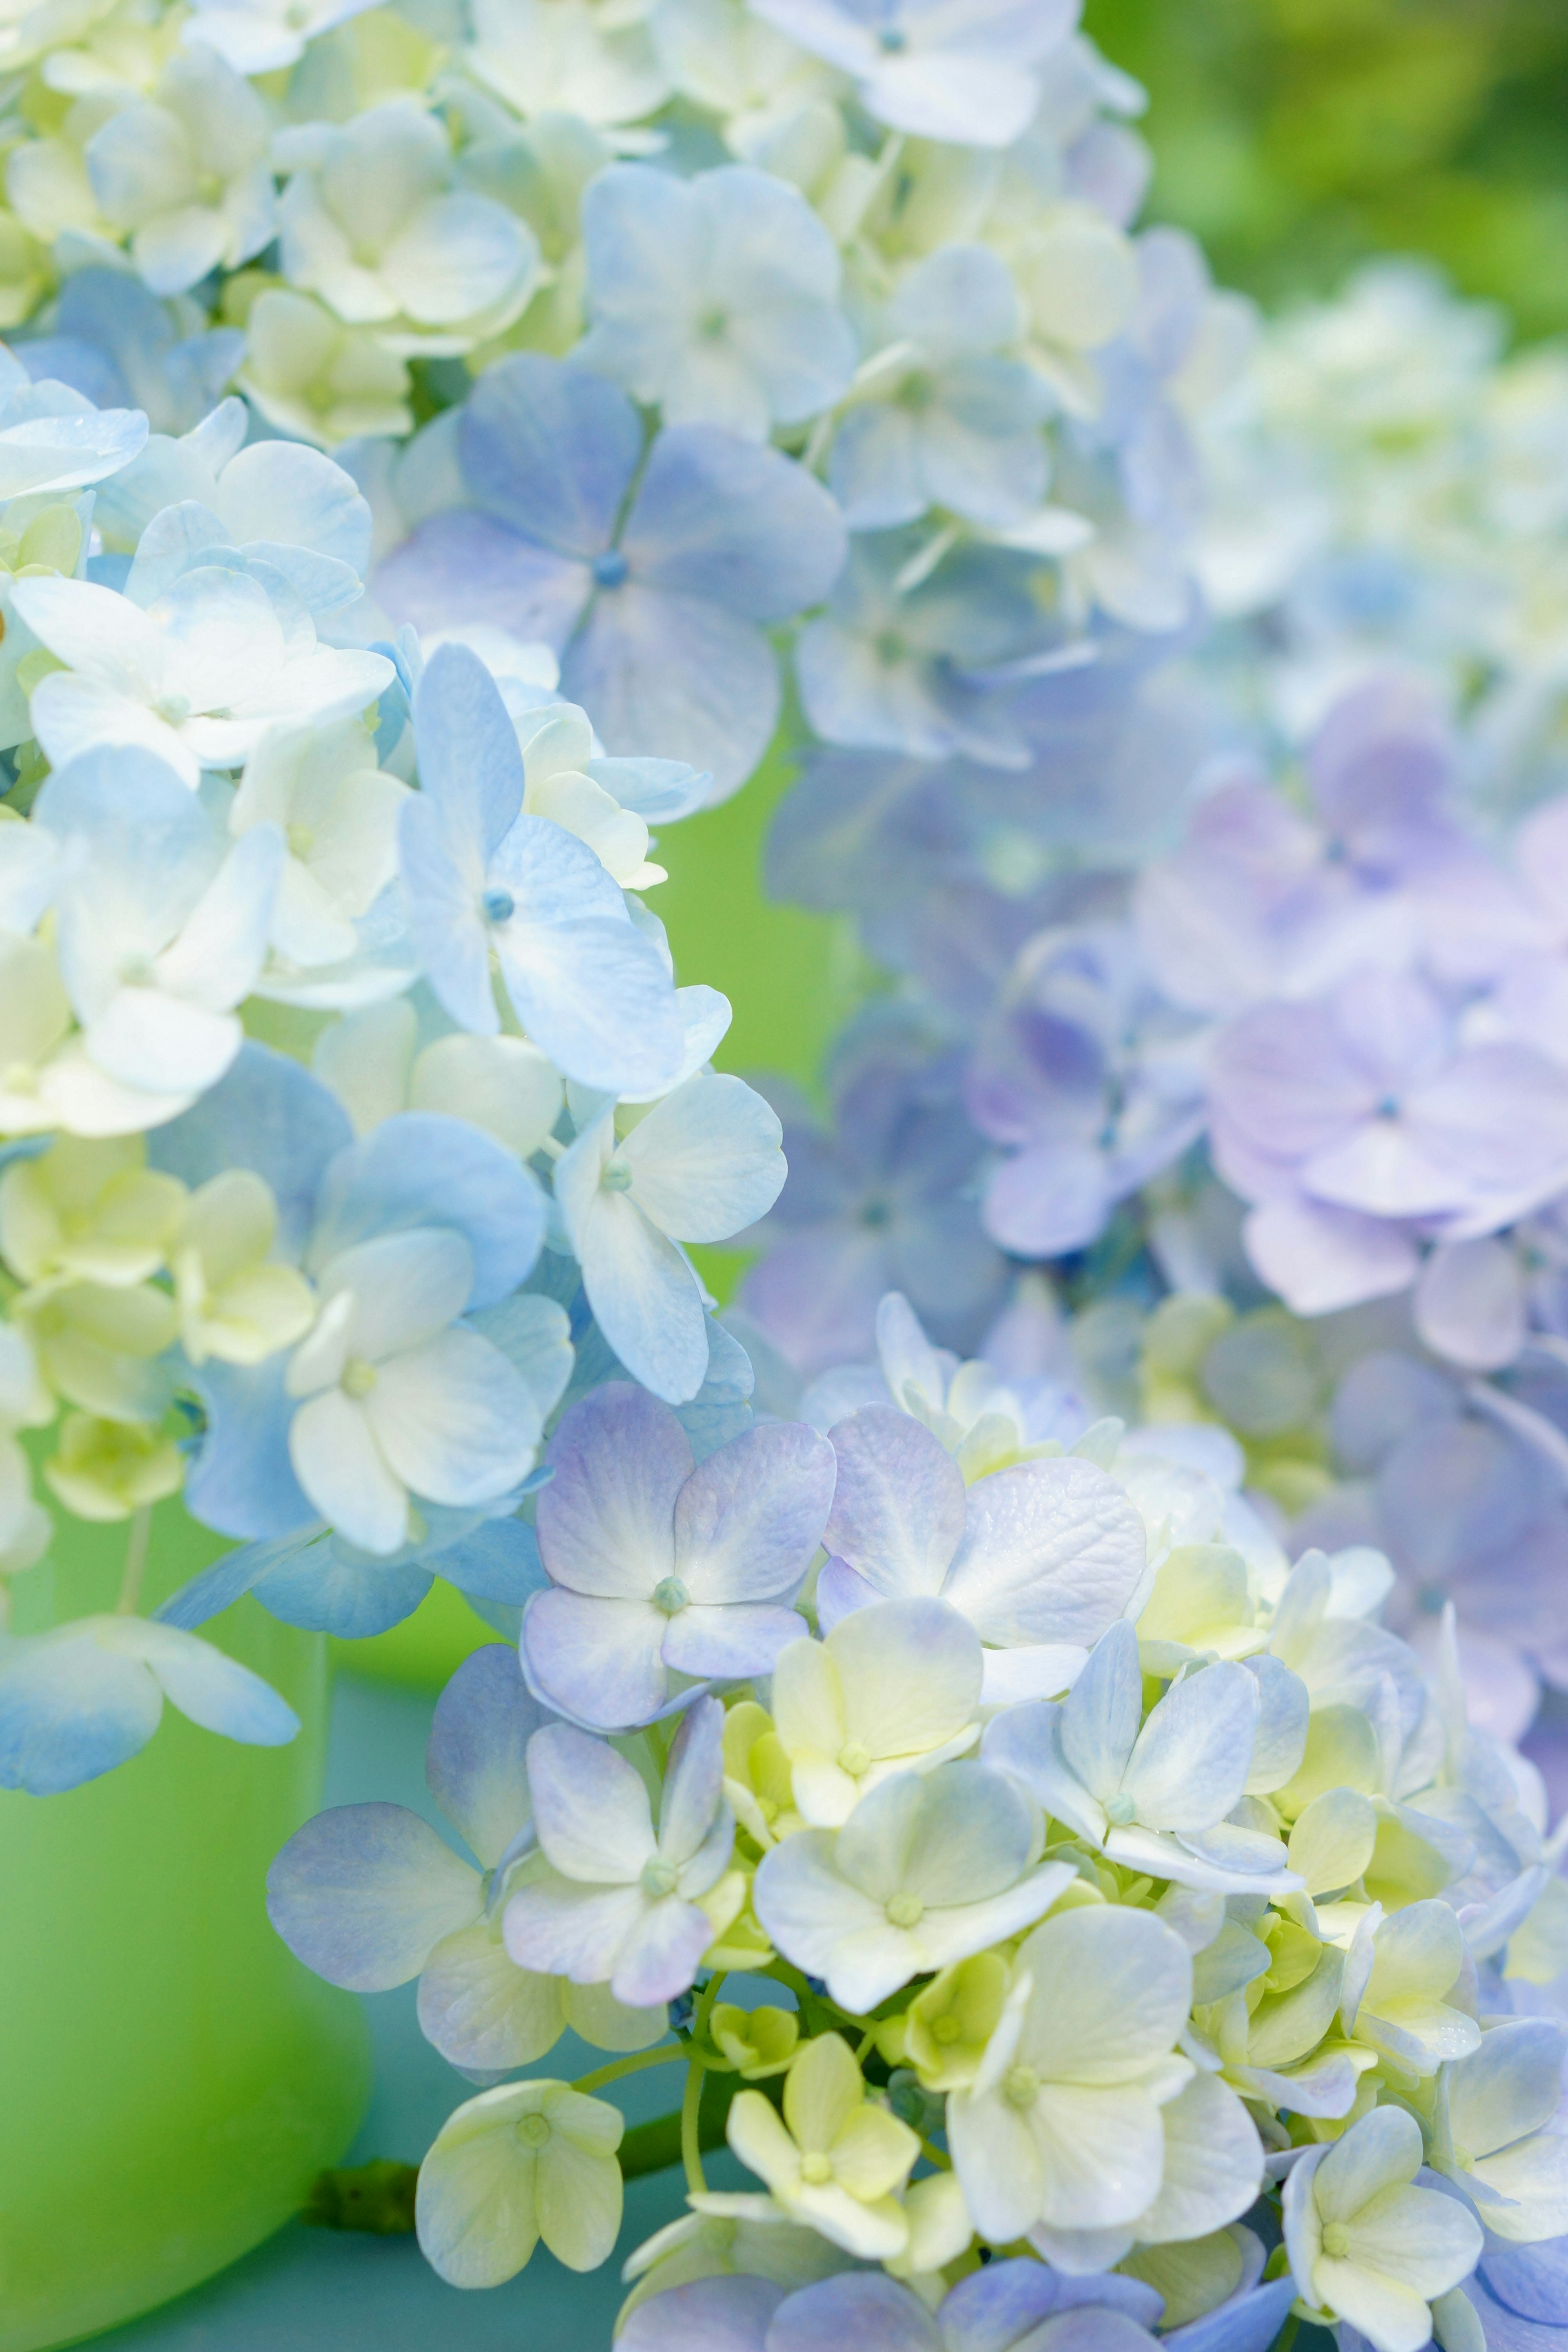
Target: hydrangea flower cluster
[
  {"x": 795, "y": 325},
  {"x": 1386, "y": 482},
  {"x": 331, "y": 1287},
  {"x": 1307, "y": 1050},
  {"x": 1156, "y": 1950}
]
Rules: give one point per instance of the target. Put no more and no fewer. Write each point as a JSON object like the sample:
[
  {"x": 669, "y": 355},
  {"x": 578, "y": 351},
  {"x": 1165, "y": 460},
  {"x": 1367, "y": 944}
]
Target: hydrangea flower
[
  {"x": 939, "y": 418},
  {"x": 620, "y": 1903},
  {"x": 715, "y": 297},
  {"x": 485, "y": 877},
  {"x": 1367, "y": 2246},
  {"x": 1041, "y": 1557},
  {"x": 371, "y": 220},
  {"x": 184, "y": 173},
  {"x": 835, "y": 2158},
  {"x": 525, "y": 2161},
  {"x": 927, "y": 1869},
  {"x": 1063, "y": 2122},
  {"x": 700, "y": 1164},
  {"x": 966, "y": 80},
  {"x": 656, "y": 605},
  {"x": 661, "y": 1566},
  {"x": 878, "y": 1201}
]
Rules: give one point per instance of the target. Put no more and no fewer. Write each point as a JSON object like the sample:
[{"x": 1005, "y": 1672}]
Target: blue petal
[
  {"x": 325, "y": 1591},
  {"x": 551, "y": 451},
  {"x": 460, "y": 567},
  {"x": 740, "y": 525},
  {"x": 71, "y": 1710},
  {"x": 476, "y": 1764},
  {"x": 720, "y": 1409},
  {"x": 267, "y": 1113},
  {"x": 444, "y": 918},
  {"x": 242, "y": 1481},
  {"x": 217, "y": 1588},
  {"x": 421, "y": 1168},
  {"x": 1251, "y": 2324},
  {"x": 470, "y": 761},
  {"x": 497, "y": 1561},
  {"x": 657, "y": 790},
  {"x": 678, "y": 675}
]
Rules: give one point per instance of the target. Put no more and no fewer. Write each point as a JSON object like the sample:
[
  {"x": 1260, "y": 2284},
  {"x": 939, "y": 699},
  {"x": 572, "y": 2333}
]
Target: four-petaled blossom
[
  {"x": 186, "y": 172},
  {"x": 399, "y": 1398},
  {"x": 653, "y": 580},
  {"x": 964, "y": 76},
  {"x": 485, "y": 879},
  {"x": 716, "y": 297},
  {"x": 700, "y": 1164},
  {"x": 1041, "y": 1557},
  {"x": 837, "y": 2158},
  {"x": 927, "y": 1869},
  {"x": 1062, "y": 2125},
  {"x": 664, "y": 1568},
  {"x": 894, "y": 1688},
  {"x": 1366, "y": 2244},
  {"x": 619, "y": 1904},
  {"x": 526, "y": 2161},
  {"x": 938, "y": 418},
  {"x": 1156, "y": 1793}
]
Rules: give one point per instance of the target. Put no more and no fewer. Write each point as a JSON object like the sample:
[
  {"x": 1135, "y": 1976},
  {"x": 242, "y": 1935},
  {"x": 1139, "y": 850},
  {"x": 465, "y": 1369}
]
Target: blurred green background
[{"x": 1296, "y": 137}]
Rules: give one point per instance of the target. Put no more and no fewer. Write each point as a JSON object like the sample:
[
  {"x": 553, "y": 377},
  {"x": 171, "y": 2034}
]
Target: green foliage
[{"x": 1295, "y": 137}]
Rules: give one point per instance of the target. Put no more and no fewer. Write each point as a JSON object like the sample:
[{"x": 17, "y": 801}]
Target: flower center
[
  {"x": 173, "y": 710},
  {"x": 854, "y": 1759},
  {"x": 1336, "y": 2239},
  {"x": 657, "y": 1879},
  {"x": 533, "y": 2131},
  {"x": 905, "y": 1910},
  {"x": 1021, "y": 2086},
  {"x": 359, "y": 1378},
  {"x": 302, "y": 840},
  {"x": 714, "y": 325},
  {"x": 609, "y": 569},
  {"x": 1121, "y": 1810},
  {"x": 876, "y": 1213},
  {"x": 671, "y": 1595},
  {"x": 946, "y": 2029},
  {"x": 816, "y": 2170},
  {"x": 892, "y": 40},
  {"x": 499, "y": 906},
  {"x": 617, "y": 1175}
]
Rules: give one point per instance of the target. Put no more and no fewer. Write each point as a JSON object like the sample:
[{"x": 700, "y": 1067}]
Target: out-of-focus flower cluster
[
  {"x": 1386, "y": 481},
  {"x": 1158, "y": 1950}
]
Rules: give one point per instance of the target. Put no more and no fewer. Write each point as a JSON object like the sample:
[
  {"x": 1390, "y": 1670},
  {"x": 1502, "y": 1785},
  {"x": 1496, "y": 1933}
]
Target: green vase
[
  {"x": 171, "y": 2078},
  {"x": 790, "y": 977}
]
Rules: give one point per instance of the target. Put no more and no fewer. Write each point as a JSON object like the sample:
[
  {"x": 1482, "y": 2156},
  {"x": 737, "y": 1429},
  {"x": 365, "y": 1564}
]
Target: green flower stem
[
  {"x": 666, "y": 2054},
  {"x": 656, "y": 2146},
  {"x": 691, "y": 2104},
  {"x": 136, "y": 1549}
]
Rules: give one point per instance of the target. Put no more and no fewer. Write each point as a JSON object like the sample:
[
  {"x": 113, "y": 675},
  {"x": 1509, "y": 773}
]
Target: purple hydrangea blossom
[
  {"x": 1092, "y": 1079},
  {"x": 883, "y": 1201},
  {"x": 652, "y": 573},
  {"x": 664, "y": 1572}
]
